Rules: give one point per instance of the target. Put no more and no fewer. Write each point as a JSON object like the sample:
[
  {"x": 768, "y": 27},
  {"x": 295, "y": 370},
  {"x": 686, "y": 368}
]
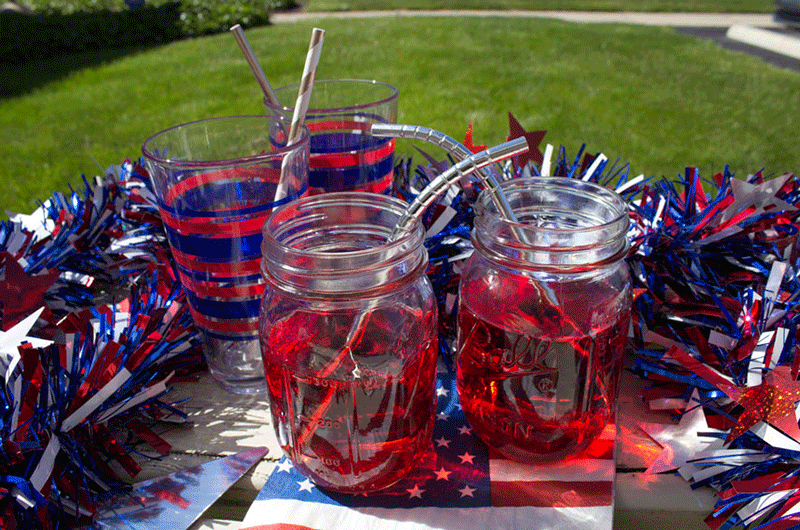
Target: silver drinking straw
[
  {"x": 459, "y": 151},
  {"x": 435, "y": 188},
  {"x": 463, "y": 168}
]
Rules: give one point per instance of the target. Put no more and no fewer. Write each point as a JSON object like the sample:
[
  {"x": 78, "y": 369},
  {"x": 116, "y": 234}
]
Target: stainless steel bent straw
[{"x": 461, "y": 169}]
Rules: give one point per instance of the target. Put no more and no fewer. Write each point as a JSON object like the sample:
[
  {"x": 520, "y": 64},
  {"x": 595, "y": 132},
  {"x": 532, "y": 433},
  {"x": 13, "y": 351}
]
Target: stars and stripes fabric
[{"x": 458, "y": 482}]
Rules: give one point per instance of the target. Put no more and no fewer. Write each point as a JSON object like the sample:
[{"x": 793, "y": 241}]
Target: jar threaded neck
[
  {"x": 337, "y": 243},
  {"x": 565, "y": 223}
]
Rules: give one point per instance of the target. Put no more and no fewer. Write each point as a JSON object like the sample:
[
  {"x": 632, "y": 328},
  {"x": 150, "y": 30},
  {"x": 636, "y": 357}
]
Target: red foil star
[
  {"x": 534, "y": 139},
  {"x": 21, "y": 294},
  {"x": 772, "y": 401},
  {"x": 468, "y": 141}
]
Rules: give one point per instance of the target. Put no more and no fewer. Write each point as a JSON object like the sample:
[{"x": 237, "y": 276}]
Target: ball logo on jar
[{"x": 526, "y": 352}]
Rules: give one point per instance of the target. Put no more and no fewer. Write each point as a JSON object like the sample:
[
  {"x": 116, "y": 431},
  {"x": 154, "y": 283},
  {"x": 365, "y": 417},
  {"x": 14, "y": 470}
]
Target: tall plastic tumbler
[
  {"x": 344, "y": 156},
  {"x": 217, "y": 181}
]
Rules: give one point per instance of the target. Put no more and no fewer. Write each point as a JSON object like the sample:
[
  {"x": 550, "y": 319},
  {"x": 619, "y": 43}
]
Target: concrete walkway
[
  {"x": 696, "y": 20},
  {"x": 754, "y": 33}
]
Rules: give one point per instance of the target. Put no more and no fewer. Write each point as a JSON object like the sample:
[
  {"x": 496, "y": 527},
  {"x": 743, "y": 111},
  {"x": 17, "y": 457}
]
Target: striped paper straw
[
  {"x": 306, "y": 83},
  {"x": 301, "y": 106}
]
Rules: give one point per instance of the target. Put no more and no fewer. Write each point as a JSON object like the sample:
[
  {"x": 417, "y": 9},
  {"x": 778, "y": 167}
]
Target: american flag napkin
[{"x": 459, "y": 484}]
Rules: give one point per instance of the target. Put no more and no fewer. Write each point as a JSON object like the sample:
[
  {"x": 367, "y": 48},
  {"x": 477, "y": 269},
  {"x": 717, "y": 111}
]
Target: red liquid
[
  {"x": 352, "y": 427},
  {"x": 538, "y": 396}
]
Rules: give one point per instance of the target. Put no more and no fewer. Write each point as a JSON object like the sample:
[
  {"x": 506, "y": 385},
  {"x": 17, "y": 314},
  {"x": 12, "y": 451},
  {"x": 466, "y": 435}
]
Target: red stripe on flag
[{"x": 552, "y": 493}]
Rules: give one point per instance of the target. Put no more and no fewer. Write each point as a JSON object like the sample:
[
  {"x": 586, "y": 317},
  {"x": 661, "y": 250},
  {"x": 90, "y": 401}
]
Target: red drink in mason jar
[
  {"x": 349, "y": 340},
  {"x": 537, "y": 396},
  {"x": 354, "y": 420},
  {"x": 543, "y": 318}
]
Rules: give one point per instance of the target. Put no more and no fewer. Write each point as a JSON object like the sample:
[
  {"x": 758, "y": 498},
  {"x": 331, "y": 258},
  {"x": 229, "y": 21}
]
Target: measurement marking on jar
[{"x": 322, "y": 423}]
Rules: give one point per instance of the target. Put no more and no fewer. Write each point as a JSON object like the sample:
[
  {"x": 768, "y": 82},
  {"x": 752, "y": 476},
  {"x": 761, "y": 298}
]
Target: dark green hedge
[{"x": 48, "y": 33}]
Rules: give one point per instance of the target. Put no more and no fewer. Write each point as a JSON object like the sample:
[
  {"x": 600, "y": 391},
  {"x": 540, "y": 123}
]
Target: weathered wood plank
[{"x": 224, "y": 423}]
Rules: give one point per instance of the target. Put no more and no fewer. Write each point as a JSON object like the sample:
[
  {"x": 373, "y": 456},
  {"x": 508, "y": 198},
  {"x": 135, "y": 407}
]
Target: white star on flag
[
  {"x": 305, "y": 485},
  {"x": 416, "y": 491},
  {"x": 285, "y": 465},
  {"x": 442, "y": 442},
  {"x": 466, "y": 491},
  {"x": 442, "y": 474},
  {"x": 466, "y": 457},
  {"x": 465, "y": 429},
  {"x": 442, "y": 416},
  {"x": 441, "y": 391}
]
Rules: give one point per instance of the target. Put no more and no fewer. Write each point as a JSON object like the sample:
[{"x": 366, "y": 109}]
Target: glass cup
[
  {"x": 344, "y": 156},
  {"x": 217, "y": 181},
  {"x": 544, "y": 307},
  {"x": 348, "y": 331}
]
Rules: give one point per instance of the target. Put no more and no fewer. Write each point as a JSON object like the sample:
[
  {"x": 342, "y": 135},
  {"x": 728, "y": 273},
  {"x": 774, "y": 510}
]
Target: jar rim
[
  {"x": 338, "y": 198},
  {"x": 340, "y": 242},
  {"x": 562, "y": 223},
  {"x": 485, "y": 204}
]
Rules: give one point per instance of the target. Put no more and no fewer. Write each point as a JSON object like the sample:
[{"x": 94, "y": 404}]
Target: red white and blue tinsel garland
[
  {"x": 716, "y": 314},
  {"x": 95, "y": 323},
  {"x": 94, "y": 326}
]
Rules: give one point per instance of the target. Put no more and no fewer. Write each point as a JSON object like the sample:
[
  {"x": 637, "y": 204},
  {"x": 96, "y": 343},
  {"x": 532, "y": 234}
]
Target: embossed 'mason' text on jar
[
  {"x": 544, "y": 309},
  {"x": 349, "y": 339}
]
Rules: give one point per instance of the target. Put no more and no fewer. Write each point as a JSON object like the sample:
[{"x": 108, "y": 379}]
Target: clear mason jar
[
  {"x": 349, "y": 339},
  {"x": 544, "y": 309}
]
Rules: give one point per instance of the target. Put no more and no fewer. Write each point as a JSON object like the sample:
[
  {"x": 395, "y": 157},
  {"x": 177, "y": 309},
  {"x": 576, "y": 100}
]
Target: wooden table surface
[{"x": 222, "y": 424}]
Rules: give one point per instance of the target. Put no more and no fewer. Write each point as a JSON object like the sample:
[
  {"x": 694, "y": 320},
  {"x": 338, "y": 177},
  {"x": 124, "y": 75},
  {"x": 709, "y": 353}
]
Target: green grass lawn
[
  {"x": 652, "y": 97},
  {"x": 740, "y": 6}
]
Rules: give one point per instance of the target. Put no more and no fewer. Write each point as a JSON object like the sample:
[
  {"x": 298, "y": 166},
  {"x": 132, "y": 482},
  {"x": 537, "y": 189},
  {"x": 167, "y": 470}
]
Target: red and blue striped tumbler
[
  {"x": 217, "y": 181},
  {"x": 344, "y": 156}
]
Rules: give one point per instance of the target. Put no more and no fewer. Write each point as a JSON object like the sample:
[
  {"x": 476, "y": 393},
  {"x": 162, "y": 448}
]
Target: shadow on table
[{"x": 220, "y": 423}]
